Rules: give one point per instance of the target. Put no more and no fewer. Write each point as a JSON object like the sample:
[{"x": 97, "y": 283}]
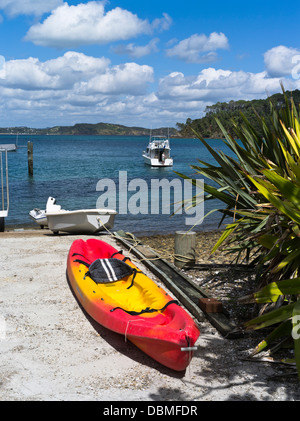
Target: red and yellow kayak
[{"x": 134, "y": 306}]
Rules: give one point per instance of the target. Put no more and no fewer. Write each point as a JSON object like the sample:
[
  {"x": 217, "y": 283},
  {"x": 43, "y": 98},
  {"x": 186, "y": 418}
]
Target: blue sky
[{"x": 140, "y": 63}]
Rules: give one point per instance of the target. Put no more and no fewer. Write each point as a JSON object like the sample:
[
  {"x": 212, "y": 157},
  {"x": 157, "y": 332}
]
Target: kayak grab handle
[{"x": 189, "y": 348}]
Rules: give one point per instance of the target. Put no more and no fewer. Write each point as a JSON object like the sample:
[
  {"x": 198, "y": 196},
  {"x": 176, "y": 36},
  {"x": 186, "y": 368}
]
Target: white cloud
[
  {"x": 129, "y": 78},
  {"x": 28, "y": 74},
  {"x": 137, "y": 51},
  {"x": 76, "y": 88},
  {"x": 28, "y": 7},
  {"x": 217, "y": 85},
  {"x": 162, "y": 24},
  {"x": 71, "y": 88},
  {"x": 279, "y": 61},
  {"x": 88, "y": 23},
  {"x": 78, "y": 73},
  {"x": 77, "y": 62},
  {"x": 69, "y": 26},
  {"x": 199, "y": 48},
  {"x": 61, "y": 73}
]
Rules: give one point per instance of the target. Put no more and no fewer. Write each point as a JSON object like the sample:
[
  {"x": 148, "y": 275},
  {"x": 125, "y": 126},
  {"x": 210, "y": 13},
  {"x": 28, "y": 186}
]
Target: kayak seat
[{"x": 103, "y": 271}]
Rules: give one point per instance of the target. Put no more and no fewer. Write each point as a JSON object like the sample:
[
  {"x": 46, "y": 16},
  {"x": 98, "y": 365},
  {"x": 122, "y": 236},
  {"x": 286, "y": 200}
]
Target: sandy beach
[{"x": 52, "y": 351}]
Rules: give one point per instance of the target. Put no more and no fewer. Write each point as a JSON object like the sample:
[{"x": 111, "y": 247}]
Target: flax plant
[{"x": 260, "y": 191}]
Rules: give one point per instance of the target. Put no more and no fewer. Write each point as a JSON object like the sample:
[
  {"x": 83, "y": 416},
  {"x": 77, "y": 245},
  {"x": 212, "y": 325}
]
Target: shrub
[{"x": 259, "y": 188}]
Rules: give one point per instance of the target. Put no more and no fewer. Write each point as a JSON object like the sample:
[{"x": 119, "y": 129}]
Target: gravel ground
[
  {"x": 51, "y": 350},
  {"x": 226, "y": 284}
]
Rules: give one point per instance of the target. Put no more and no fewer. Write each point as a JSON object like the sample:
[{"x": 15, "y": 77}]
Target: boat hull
[
  {"x": 154, "y": 162},
  {"x": 87, "y": 221},
  {"x": 160, "y": 334}
]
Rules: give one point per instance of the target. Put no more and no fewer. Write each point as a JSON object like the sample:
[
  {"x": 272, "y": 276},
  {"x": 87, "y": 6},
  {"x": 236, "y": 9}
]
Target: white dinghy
[{"x": 83, "y": 221}]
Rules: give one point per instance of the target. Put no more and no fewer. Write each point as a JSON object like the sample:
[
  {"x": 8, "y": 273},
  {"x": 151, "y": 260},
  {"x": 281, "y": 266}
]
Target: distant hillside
[
  {"x": 101, "y": 129},
  {"x": 207, "y": 126}
]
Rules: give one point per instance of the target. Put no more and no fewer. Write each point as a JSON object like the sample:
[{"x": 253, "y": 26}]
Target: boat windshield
[{"x": 159, "y": 142}]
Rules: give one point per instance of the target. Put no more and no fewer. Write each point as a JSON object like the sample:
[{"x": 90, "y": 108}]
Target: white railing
[{"x": 4, "y": 188}]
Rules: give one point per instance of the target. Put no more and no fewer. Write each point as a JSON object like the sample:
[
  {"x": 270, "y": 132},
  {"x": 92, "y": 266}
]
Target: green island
[{"x": 98, "y": 129}]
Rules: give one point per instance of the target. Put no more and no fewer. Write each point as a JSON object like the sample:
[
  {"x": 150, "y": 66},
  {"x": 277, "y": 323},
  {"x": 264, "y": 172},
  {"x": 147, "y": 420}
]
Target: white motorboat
[
  {"x": 158, "y": 151},
  {"x": 39, "y": 216},
  {"x": 83, "y": 221}
]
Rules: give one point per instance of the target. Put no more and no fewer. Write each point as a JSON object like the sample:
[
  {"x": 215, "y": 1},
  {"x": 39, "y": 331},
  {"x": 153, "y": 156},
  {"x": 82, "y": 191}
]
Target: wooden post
[
  {"x": 185, "y": 249},
  {"x": 30, "y": 157},
  {"x": 2, "y": 224}
]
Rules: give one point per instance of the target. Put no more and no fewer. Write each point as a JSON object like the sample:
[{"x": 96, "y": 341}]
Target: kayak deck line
[{"x": 187, "y": 292}]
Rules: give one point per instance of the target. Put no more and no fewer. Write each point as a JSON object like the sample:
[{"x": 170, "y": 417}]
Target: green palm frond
[{"x": 259, "y": 187}]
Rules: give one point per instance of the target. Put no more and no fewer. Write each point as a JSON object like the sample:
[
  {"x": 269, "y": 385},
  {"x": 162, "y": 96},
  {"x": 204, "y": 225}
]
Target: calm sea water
[{"x": 69, "y": 168}]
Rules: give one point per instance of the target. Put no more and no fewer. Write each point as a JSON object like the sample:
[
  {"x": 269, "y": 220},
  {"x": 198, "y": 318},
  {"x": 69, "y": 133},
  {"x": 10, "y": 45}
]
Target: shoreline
[
  {"x": 163, "y": 244},
  {"x": 32, "y": 226}
]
